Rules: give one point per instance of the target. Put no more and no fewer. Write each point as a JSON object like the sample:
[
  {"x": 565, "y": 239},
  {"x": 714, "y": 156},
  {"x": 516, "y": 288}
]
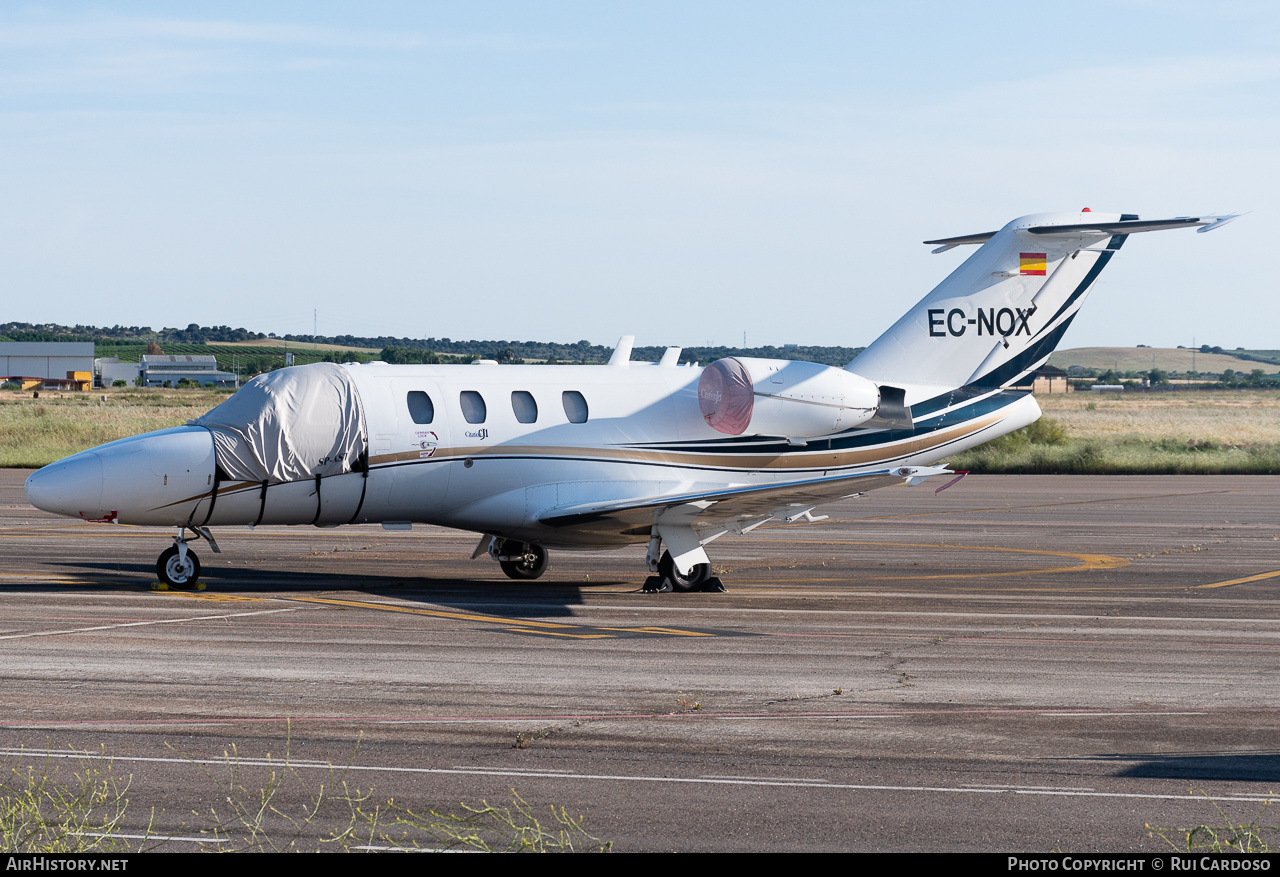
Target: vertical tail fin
[{"x": 1000, "y": 314}]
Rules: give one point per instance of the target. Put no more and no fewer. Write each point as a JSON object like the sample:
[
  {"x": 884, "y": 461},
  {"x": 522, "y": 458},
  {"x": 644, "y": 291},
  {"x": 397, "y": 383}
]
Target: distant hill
[
  {"x": 254, "y": 351},
  {"x": 275, "y": 343},
  {"x": 1267, "y": 356},
  {"x": 1177, "y": 359}
]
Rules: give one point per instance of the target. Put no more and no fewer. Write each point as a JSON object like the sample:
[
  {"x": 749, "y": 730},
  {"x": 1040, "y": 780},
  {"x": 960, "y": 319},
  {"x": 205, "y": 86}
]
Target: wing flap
[{"x": 720, "y": 507}]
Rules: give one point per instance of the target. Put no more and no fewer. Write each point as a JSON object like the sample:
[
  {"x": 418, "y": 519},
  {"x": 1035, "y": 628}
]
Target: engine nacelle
[{"x": 739, "y": 395}]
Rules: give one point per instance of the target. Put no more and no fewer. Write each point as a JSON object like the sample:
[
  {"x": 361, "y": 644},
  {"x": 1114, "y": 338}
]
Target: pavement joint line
[
  {"x": 703, "y": 715},
  {"x": 433, "y": 613},
  {"x": 1033, "y": 788},
  {"x": 144, "y": 623},
  {"x": 1094, "y": 715},
  {"x": 1013, "y": 508},
  {"x": 640, "y": 778},
  {"x": 517, "y": 625}
]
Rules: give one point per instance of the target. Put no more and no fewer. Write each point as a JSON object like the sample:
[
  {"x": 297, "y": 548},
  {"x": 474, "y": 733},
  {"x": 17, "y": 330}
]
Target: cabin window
[
  {"x": 473, "y": 409},
  {"x": 420, "y": 407},
  {"x": 575, "y": 406},
  {"x": 523, "y": 404}
]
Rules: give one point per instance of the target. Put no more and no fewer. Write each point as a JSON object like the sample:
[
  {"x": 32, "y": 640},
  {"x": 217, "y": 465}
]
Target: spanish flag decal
[{"x": 1031, "y": 263}]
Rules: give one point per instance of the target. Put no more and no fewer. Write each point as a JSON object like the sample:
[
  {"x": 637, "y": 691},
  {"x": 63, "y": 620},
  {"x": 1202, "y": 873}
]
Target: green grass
[
  {"x": 1121, "y": 457},
  {"x": 36, "y": 432},
  {"x": 1223, "y": 836},
  {"x": 1223, "y": 432},
  {"x": 294, "y": 809},
  {"x": 1045, "y": 448}
]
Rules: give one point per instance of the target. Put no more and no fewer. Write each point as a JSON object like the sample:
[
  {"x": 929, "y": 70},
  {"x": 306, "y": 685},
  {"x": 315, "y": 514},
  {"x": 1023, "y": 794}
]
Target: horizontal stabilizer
[
  {"x": 950, "y": 243},
  {"x": 999, "y": 315},
  {"x": 1132, "y": 226}
]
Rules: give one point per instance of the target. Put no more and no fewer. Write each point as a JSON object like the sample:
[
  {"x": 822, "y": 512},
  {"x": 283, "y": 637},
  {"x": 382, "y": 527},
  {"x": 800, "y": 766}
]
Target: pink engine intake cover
[{"x": 725, "y": 396}]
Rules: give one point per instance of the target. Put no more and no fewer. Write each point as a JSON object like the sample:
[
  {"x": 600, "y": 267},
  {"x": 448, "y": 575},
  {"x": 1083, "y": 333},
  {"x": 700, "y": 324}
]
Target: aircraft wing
[{"x": 736, "y": 509}]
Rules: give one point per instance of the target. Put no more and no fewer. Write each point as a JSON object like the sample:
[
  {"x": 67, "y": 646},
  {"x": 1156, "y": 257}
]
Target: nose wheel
[{"x": 178, "y": 569}]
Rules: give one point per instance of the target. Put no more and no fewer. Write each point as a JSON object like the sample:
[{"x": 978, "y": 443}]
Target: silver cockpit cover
[{"x": 289, "y": 425}]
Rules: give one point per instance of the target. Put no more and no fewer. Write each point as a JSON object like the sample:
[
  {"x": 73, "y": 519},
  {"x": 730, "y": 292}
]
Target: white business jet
[{"x": 575, "y": 457}]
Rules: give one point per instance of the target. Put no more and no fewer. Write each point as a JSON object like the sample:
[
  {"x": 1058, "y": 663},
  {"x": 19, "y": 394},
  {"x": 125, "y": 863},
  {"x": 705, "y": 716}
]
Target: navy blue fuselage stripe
[
  {"x": 1026, "y": 360},
  {"x": 859, "y": 438},
  {"x": 1082, "y": 288}
]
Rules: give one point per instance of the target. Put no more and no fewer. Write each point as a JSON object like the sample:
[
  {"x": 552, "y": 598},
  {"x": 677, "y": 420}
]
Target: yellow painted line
[
  {"x": 1087, "y": 561},
  {"x": 215, "y": 598},
  {"x": 434, "y": 613},
  {"x": 1259, "y": 577},
  {"x": 668, "y": 631},
  {"x": 518, "y": 624},
  {"x": 555, "y": 633},
  {"x": 53, "y": 580}
]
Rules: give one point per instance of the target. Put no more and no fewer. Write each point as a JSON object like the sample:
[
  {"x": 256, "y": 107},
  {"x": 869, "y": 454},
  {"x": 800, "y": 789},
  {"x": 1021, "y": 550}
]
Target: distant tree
[
  {"x": 1158, "y": 376},
  {"x": 153, "y": 349},
  {"x": 408, "y": 356}
]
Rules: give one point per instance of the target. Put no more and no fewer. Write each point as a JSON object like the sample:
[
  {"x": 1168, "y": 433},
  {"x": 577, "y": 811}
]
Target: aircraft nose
[{"x": 68, "y": 487}]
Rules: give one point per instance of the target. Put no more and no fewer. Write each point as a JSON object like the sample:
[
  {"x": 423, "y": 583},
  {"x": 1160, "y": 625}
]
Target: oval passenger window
[
  {"x": 524, "y": 406},
  {"x": 473, "y": 409},
  {"x": 575, "y": 406},
  {"x": 420, "y": 407}
]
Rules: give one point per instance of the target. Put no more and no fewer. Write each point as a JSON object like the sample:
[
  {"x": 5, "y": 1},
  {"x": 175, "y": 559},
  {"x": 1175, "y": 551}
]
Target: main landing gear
[
  {"x": 178, "y": 567},
  {"x": 669, "y": 578},
  {"x": 525, "y": 561},
  {"x": 519, "y": 560}
]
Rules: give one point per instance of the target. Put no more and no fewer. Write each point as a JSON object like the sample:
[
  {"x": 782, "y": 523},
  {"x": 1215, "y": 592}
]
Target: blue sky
[{"x": 684, "y": 172}]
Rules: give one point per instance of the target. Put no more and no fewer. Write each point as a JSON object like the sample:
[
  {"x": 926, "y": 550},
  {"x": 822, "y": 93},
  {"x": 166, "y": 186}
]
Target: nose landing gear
[{"x": 178, "y": 567}]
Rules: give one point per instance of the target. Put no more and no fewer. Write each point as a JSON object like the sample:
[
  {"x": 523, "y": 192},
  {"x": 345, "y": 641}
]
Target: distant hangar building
[
  {"x": 55, "y": 360},
  {"x": 160, "y": 370}
]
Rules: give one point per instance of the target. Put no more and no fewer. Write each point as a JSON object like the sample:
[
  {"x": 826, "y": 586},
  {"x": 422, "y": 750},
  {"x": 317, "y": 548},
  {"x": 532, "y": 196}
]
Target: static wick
[{"x": 951, "y": 482}]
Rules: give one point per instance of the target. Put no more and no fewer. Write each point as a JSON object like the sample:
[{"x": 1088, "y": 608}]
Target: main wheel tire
[
  {"x": 530, "y": 566},
  {"x": 173, "y": 572},
  {"x": 681, "y": 581}
]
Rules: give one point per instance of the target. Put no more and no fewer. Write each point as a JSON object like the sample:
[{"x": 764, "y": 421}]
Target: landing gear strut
[
  {"x": 519, "y": 560},
  {"x": 178, "y": 566}
]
